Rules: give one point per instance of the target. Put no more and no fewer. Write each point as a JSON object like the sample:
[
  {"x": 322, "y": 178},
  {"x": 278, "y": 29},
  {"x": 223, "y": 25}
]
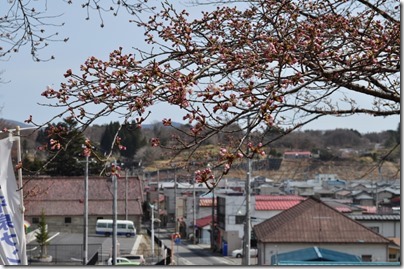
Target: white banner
[{"x": 12, "y": 234}]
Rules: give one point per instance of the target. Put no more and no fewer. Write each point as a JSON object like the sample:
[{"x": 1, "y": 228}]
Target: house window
[
  {"x": 68, "y": 220},
  {"x": 392, "y": 257},
  {"x": 375, "y": 229},
  {"x": 35, "y": 220},
  {"x": 240, "y": 219},
  {"x": 366, "y": 258}
]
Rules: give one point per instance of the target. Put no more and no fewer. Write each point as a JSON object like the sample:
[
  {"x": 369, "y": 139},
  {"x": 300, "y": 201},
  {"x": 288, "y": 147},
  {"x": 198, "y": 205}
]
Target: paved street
[{"x": 199, "y": 254}]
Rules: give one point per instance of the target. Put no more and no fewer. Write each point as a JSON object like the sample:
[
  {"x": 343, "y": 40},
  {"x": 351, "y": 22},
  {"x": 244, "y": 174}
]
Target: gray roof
[{"x": 376, "y": 217}]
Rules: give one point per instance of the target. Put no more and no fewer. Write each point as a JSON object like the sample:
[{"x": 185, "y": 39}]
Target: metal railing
[{"x": 65, "y": 254}]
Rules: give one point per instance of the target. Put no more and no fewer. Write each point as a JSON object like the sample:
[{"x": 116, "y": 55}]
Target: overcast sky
[{"x": 26, "y": 79}]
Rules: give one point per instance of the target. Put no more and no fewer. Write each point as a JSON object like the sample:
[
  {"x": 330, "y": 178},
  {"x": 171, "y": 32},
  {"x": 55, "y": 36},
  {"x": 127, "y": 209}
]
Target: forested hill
[{"x": 345, "y": 152}]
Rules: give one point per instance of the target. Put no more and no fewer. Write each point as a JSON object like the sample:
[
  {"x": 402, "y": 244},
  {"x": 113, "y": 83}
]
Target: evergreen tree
[
  {"x": 131, "y": 138},
  {"x": 42, "y": 236},
  {"x": 64, "y": 161}
]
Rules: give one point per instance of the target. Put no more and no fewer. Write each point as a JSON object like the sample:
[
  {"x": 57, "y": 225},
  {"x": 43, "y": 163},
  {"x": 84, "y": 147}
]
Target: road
[{"x": 199, "y": 254}]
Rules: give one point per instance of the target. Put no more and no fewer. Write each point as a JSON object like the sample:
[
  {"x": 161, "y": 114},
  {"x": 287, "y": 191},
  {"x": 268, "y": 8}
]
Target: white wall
[{"x": 386, "y": 228}]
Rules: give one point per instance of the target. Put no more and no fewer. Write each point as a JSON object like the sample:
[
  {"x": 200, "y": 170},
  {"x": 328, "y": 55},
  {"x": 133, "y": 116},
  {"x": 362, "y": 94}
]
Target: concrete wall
[{"x": 57, "y": 223}]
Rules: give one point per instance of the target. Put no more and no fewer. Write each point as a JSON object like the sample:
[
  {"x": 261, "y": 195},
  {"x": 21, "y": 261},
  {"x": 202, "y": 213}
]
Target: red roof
[
  {"x": 205, "y": 221},
  {"x": 279, "y": 198},
  {"x": 276, "y": 202},
  {"x": 206, "y": 202},
  {"x": 368, "y": 209},
  {"x": 343, "y": 209},
  {"x": 274, "y": 205}
]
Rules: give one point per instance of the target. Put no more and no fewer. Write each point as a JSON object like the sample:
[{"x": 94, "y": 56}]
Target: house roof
[
  {"x": 206, "y": 202},
  {"x": 315, "y": 254},
  {"x": 205, "y": 221},
  {"x": 279, "y": 198},
  {"x": 64, "y": 196},
  {"x": 297, "y": 152},
  {"x": 312, "y": 221},
  {"x": 368, "y": 209},
  {"x": 372, "y": 217},
  {"x": 276, "y": 202},
  {"x": 274, "y": 205}
]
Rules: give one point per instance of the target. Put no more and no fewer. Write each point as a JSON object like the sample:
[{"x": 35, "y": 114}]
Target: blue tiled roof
[{"x": 314, "y": 254}]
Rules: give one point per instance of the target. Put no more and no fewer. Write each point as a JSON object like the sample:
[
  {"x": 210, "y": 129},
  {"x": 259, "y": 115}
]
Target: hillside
[{"x": 307, "y": 169}]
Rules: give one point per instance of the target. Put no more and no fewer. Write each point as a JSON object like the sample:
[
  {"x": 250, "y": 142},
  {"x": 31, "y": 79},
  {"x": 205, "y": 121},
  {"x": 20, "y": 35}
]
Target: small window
[
  {"x": 121, "y": 226},
  {"x": 68, "y": 220},
  {"x": 102, "y": 225},
  {"x": 35, "y": 220},
  {"x": 375, "y": 229},
  {"x": 109, "y": 225},
  {"x": 392, "y": 256},
  {"x": 240, "y": 219},
  {"x": 366, "y": 258}
]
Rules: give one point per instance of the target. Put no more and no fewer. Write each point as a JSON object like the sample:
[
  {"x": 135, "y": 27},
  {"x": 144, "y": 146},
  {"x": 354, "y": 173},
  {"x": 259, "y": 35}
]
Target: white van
[{"x": 124, "y": 227}]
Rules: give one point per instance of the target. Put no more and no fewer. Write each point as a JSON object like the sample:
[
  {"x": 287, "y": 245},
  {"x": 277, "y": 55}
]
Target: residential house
[
  {"x": 231, "y": 212},
  {"x": 386, "y": 225},
  {"x": 362, "y": 198},
  {"x": 62, "y": 199},
  {"x": 313, "y": 223},
  {"x": 296, "y": 154},
  {"x": 385, "y": 195},
  {"x": 313, "y": 256}
]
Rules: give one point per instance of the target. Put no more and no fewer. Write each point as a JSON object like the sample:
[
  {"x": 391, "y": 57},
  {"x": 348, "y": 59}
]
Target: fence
[{"x": 65, "y": 254}]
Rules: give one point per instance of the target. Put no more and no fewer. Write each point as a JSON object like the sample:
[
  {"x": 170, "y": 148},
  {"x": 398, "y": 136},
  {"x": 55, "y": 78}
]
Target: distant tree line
[{"x": 71, "y": 162}]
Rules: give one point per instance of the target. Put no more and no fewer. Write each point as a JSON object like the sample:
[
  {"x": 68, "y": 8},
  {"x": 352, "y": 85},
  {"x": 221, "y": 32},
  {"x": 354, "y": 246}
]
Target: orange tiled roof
[
  {"x": 274, "y": 205},
  {"x": 206, "y": 202}
]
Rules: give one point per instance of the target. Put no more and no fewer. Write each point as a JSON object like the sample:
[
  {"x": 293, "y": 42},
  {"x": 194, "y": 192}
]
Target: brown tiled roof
[
  {"x": 65, "y": 196},
  {"x": 312, "y": 221}
]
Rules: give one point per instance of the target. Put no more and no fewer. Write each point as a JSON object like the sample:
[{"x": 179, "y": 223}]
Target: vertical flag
[{"x": 12, "y": 235}]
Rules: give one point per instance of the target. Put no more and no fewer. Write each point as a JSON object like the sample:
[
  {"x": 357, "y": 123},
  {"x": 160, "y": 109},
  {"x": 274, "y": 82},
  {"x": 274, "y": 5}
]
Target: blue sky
[{"x": 27, "y": 79}]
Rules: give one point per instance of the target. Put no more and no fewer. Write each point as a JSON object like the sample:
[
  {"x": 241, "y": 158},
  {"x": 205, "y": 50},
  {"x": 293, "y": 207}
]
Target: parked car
[
  {"x": 238, "y": 253},
  {"x": 122, "y": 261},
  {"x": 135, "y": 258}
]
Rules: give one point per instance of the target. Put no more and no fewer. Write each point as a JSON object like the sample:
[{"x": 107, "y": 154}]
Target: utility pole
[
  {"x": 194, "y": 213},
  {"x": 85, "y": 220},
  {"x": 126, "y": 194},
  {"x": 152, "y": 230},
  {"x": 213, "y": 220},
  {"x": 114, "y": 210},
  {"x": 175, "y": 200},
  {"x": 247, "y": 227}
]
